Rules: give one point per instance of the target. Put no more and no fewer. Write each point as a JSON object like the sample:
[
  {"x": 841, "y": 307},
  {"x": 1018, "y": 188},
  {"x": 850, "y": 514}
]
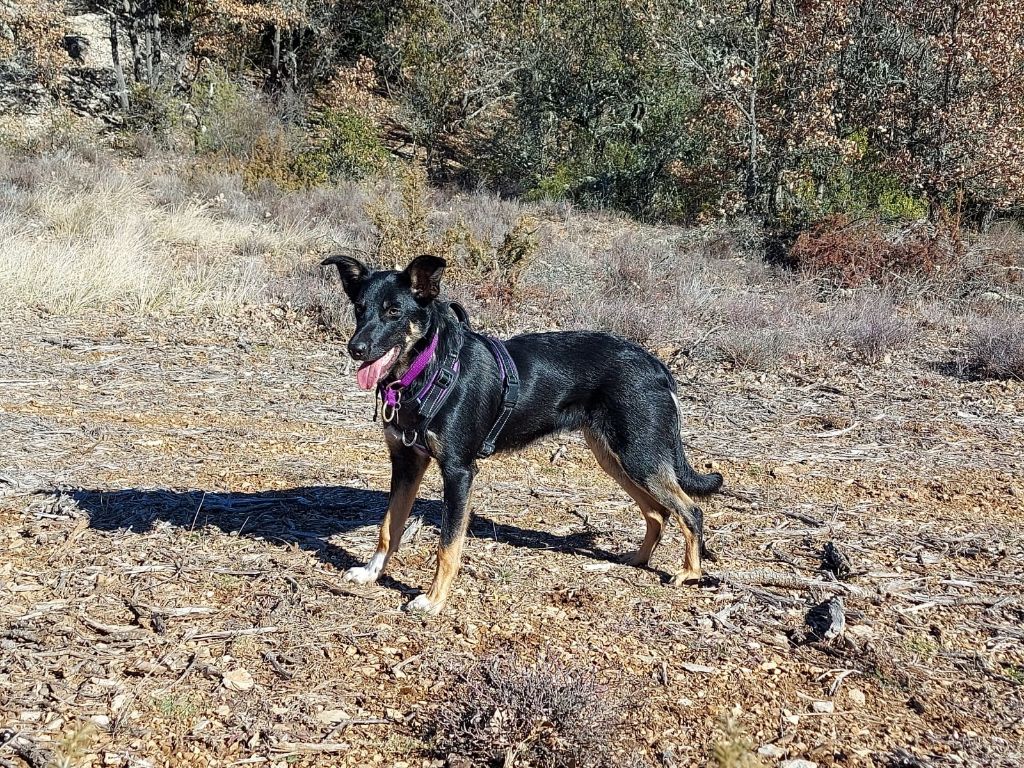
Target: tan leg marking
[
  {"x": 449, "y": 560},
  {"x": 677, "y": 500},
  {"x": 654, "y": 513},
  {"x": 400, "y": 504}
]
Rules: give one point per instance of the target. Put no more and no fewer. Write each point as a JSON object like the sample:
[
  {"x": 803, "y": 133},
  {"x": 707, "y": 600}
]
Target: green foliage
[
  {"x": 573, "y": 100},
  {"x": 347, "y": 147},
  {"x": 861, "y": 188},
  {"x": 156, "y": 112}
]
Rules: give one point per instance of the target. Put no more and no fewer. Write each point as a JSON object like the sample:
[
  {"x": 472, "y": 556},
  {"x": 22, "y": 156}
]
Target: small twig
[
  {"x": 271, "y": 659},
  {"x": 227, "y": 633}
]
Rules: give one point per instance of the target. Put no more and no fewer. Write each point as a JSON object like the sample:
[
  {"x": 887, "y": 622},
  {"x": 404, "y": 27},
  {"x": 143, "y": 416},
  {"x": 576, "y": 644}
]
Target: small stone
[
  {"x": 856, "y": 697},
  {"x": 100, "y": 721},
  {"x": 223, "y": 710},
  {"x": 790, "y": 718},
  {"x": 771, "y": 751},
  {"x": 860, "y": 630},
  {"x": 824, "y": 707},
  {"x": 798, "y": 763},
  {"x": 238, "y": 679},
  {"x": 332, "y": 716}
]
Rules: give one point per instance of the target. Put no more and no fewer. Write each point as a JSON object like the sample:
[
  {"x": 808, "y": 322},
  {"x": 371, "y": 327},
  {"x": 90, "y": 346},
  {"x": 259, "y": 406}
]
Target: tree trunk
[
  {"x": 147, "y": 25},
  {"x": 115, "y": 56},
  {"x": 133, "y": 38},
  {"x": 156, "y": 37},
  {"x": 275, "y": 64}
]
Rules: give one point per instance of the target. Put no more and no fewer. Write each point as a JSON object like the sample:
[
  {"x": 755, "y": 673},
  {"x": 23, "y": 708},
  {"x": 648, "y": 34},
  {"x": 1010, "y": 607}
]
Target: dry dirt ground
[{"x": 178, "y": 500}]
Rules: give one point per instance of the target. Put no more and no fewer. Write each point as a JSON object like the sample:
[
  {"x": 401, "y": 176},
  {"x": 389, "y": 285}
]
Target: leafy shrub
[
  {"x": 401, "y": 224},
  {"x": 30, "y": 36},
  {"x": 346, "y": 147},
  {"x": 501, "y": 712},
  {"x": 491, "y": 269},
  {"x": 154, "y": 112}
]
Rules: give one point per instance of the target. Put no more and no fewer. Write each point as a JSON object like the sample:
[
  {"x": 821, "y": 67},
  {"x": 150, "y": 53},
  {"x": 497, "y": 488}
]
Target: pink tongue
[{"x": 370, "y": 373}]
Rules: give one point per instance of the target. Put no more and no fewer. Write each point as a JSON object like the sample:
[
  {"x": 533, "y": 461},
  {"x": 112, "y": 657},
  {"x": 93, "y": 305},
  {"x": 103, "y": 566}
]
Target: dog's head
[{"x": 392, "y": 312}]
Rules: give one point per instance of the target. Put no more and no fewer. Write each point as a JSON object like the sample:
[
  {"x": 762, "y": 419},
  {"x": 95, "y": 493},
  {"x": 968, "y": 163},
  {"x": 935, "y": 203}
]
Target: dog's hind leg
[
  {"x": 458, "y": 489},
  {"x": 664, "y": 486},
  {"x": 407, "y": 469},
  {"x": 655, "y": 515},
  {"x": 647, "y": 472}
]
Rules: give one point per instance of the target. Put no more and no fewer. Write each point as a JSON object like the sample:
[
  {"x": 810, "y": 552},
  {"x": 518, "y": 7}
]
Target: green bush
[
  {"x": 346, "y": 147},
  {"x": 861, "y": 187}
]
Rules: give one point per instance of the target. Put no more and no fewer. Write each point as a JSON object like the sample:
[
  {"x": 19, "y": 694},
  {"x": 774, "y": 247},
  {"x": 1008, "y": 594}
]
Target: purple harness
[
  {"x": 392, "y": 393},
  {"x": 437, "y": 388}
]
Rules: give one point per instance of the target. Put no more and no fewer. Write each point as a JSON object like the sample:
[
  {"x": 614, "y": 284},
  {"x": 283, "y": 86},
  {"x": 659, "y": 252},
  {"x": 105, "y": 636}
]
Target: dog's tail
[{"x": 690, "y": 480}]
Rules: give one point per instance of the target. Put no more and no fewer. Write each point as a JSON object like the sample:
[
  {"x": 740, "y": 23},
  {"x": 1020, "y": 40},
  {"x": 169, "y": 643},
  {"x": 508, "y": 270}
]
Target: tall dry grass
[
  {"x": 88, "y": 230},
  {"x": 77, "y": 235}
]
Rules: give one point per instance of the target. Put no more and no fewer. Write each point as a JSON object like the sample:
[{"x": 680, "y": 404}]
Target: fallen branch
[
  {"x": 785, "y": 580},
  {"x": 227, "y": 633}
]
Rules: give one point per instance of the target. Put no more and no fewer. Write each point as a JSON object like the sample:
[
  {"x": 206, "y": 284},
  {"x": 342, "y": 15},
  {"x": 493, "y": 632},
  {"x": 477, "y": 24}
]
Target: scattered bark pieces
[{"x": 835, "y": 560}]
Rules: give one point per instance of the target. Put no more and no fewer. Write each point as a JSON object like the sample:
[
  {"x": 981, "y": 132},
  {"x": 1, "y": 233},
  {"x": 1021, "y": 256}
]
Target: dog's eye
[{"x": 392, "y": 311}]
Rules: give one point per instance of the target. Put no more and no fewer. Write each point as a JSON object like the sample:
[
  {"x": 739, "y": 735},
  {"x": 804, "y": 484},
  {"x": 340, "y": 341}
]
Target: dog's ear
[
  {"x": 424, "y": 277},
  {"x": 352, "y": 272}
]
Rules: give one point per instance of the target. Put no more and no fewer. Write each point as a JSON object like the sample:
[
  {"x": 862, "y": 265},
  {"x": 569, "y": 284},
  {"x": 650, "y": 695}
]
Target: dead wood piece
[
  {"x": 26, "y": 749},
  {"x": 767, "y": 578},
  {"x": 272, "y": 660},
  {"x": 835, "y": 560},
  {"x": 722, "y": 617},
  {"x": 301, "y": 747},
  {"x": 345, "y": 591},
  {"x": 804, "y": 518},
  {"x": 825, "y": 623},
  {"x": 109, "y": 629},
  {"x": 228, "y": 633}
]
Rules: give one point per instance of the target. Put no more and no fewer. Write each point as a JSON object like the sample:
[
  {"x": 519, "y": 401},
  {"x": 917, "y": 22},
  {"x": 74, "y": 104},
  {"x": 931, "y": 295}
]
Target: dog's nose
[{"x": 358, "y": 349}]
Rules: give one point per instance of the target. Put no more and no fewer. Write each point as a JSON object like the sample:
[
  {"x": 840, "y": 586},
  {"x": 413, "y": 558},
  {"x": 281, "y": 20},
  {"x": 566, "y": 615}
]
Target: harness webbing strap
[
  {"x": 435, "y": 391},
  {"x": 509, "y": 394}
]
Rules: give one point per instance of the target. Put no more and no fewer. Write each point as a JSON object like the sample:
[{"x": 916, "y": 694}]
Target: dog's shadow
[{"x": 308, "y": 518}]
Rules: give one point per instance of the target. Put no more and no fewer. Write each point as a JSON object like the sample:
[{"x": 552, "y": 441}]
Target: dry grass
[
  {"x": 868, "y": 325},
  {"x": 995, "y": 345},
  {"x": 502, "y": 711},
  {"x": 82, "y": 230},
  {"x": 79, "y": 235}
]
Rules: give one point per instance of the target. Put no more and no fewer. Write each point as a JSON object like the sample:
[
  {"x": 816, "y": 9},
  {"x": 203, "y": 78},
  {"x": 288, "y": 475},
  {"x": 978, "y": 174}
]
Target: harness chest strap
[{"x": 435, "y": 392}]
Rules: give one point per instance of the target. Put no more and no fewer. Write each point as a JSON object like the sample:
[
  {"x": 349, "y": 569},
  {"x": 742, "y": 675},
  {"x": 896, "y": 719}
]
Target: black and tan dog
[{"x": 620, "y": 396}]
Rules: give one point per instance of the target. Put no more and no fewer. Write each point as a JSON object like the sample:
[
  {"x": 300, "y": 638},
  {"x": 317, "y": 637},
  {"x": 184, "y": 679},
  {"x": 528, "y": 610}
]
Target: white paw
[
  {"x": 361, "y": 575},
  {"x": 423, "y": 604}
]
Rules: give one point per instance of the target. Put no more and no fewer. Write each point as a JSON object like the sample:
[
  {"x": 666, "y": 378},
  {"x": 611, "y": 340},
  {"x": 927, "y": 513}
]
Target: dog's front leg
[
  {"x": 407, "y": 468},
  {"x": 458, "y": 486}
]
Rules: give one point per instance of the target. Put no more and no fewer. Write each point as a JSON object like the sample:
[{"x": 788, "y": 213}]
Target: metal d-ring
[
  {"x": 389, "y": 411},
  {"x": 407, "y": 441}
]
